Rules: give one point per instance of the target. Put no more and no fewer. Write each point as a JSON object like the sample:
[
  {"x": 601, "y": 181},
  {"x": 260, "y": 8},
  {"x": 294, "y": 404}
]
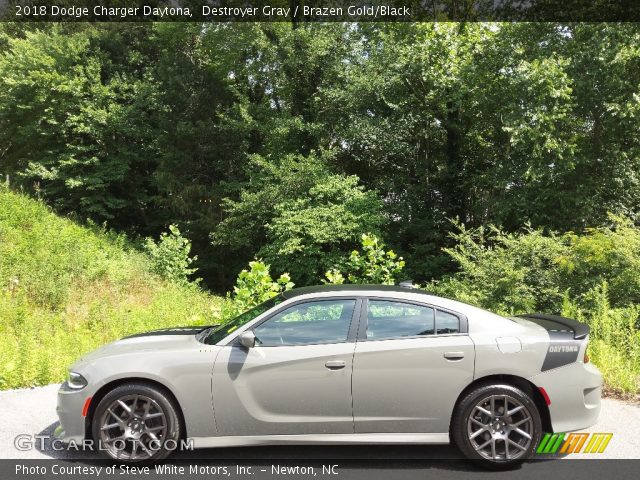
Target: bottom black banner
[{"x": 339, "y": 469}]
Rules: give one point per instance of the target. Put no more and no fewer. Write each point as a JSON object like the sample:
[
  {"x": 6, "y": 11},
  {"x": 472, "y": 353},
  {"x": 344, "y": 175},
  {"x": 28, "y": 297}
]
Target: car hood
[{"x": 168, "y": 339}]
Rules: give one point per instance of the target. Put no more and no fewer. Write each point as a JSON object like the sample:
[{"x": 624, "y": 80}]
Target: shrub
[
  {"x": 254, "y": 286},
  {"x": 506, "y": 273},
  {"x": 170, "y": 256},
  {"x": 531, "y": 270},
  {"x": 614, "y": 344},
  {"x": 593, "y": 277},
  {"x": 608, "y": 254},
  {"x": 373, "y": 265}
]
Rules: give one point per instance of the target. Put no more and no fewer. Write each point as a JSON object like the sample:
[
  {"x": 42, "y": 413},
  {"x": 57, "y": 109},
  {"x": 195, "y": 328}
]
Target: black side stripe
[{"x": 563, "y": 349}]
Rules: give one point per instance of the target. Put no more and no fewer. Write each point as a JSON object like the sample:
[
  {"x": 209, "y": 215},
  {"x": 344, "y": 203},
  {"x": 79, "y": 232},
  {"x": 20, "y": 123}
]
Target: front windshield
[{"x": 218, "y": 332}]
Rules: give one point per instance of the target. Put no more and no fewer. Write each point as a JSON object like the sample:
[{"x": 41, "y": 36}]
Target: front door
[
  {"x": 296, "y": 380},
  {"x": 409, "y": 367}
]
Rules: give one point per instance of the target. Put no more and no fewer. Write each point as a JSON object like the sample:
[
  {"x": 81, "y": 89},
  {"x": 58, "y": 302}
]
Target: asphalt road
[{"x": 32, "y": 412}]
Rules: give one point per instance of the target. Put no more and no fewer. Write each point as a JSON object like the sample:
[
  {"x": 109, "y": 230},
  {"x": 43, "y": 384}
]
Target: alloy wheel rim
[
  {"x": 500, "y": 428},
  {"x": 133, "y": 427}
]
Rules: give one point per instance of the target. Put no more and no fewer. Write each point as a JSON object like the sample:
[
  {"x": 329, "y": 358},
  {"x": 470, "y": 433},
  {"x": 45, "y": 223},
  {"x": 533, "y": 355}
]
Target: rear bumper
[{"x": 574, "y": 391}]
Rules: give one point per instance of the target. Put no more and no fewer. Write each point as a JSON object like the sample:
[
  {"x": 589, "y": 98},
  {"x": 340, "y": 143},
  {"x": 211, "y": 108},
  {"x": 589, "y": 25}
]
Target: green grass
[
  {"x": 614, "y": 341},
  {"x": 66, "y": 289}
]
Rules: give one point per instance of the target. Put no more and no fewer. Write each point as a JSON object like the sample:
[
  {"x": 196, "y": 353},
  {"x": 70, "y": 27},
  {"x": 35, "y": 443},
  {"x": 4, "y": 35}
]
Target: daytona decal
[{"x": 563, "y": 350}]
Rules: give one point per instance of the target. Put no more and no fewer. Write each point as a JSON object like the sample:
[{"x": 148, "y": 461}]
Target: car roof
[
  {"x": 351, "y": 288},
  {"x": 484, "y": 320},
  {"x": 406, "y": 293}
]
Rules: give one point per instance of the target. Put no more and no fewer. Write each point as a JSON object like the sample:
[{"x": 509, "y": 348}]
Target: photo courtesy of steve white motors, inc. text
[{"x": 215, "y": 470}]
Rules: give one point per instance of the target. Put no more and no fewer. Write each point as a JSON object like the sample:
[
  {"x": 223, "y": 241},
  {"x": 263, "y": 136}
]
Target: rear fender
[{"x": 567, "y": 339}]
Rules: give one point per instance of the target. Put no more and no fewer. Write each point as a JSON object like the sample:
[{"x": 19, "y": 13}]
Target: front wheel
[
  {"x": 498, "y": 426},
  {"x": 136, "y": 423}
]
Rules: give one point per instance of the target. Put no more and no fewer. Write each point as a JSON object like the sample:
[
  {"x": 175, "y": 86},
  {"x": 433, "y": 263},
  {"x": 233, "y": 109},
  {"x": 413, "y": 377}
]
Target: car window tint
[
  {"x": 386, "y": 319},
  {"x": 447, "y": 323},
  {"x": 216, "y": 333},
  {"x": 325, "y": 321}
]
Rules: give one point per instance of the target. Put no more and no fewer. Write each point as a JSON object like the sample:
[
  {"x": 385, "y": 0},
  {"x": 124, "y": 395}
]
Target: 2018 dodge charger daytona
[{"x": 334, "y": 365}]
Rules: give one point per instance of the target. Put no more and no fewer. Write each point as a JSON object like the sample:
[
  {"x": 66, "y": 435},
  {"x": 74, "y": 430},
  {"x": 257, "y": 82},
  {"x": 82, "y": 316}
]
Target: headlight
[{"x": 75, "y": 381}]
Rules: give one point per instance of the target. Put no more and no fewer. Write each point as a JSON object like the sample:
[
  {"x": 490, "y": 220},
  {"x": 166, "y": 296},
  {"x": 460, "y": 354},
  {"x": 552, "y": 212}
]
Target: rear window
[
  {"x": 447, "y": 323},
  {"x": 389, "y": 319}
]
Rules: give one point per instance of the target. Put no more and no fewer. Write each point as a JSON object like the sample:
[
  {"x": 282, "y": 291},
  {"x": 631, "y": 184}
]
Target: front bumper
[
  {"x": 574, "y": 391},
  {"x": 69, "y": 410}
]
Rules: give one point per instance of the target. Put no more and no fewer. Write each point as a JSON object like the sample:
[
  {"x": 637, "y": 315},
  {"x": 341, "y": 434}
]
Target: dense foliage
[
  {"x": 289, "y": 143},
  {"x": 67, "y": 289},
  {"x": 304, "y": 216},
  {"x": 614, "y": 345},
  {"x": 534, "y": 271},
  {"x": 593, "y": 277},
  {"x": 248, "y": 141}
]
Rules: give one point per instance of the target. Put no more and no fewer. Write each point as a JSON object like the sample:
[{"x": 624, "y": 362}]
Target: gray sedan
[{"x": 338, "y": 364}]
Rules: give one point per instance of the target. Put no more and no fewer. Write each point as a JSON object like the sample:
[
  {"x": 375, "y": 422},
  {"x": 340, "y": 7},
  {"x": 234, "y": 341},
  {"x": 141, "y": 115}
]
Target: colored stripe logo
[{"x": 553, "y": 443}]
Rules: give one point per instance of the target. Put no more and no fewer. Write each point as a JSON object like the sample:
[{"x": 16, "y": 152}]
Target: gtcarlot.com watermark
[{"x": 25, "y": 442}]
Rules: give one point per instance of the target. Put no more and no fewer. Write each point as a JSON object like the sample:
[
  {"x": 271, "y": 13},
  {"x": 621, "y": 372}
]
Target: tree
[
  {"x": 144, "y": 126},
  {"x": 299, "y": 216},
  {"x": 76, "y": 123}
]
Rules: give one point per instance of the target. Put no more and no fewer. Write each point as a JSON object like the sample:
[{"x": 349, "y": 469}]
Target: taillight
[{"x": 586, "y": 358}]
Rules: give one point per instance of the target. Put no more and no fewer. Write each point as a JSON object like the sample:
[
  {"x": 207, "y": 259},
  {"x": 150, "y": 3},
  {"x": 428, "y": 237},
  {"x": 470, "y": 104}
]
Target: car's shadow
[
  {"x": 348, "y": 457},
  {"x": 57, "y": 450}
]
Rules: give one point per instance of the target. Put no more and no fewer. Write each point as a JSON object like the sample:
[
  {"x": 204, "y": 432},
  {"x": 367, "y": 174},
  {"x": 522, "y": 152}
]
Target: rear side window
[
  {"x": 446, "y": 323},
  {"x": 389, "y": 319}
]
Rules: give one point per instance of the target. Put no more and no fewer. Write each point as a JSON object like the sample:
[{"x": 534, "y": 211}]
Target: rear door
[{"x": 410, "y": 364}]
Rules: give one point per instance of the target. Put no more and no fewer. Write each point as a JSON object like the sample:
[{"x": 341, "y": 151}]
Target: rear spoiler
[{"x": 580, "y": 330}]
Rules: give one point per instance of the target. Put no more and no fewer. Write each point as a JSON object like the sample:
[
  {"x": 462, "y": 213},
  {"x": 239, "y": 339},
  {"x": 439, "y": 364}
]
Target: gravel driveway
[{"x": 32, "y": 412}]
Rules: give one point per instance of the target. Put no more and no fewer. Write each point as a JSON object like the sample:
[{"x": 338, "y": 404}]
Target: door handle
[
  {"x": 454, "y": 355},
  {"x": 335, "y": 364}
]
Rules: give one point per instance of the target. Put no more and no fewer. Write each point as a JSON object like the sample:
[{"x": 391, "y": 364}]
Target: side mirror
[{"x": 248, "y": 339}]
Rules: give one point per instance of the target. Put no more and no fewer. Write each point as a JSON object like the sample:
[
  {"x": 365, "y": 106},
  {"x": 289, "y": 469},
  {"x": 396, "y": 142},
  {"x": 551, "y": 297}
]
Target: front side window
[
  {"x": 216, "y": 333},
  {"x": 308, "y": 323},
  {"x": 389, "y": 319}
]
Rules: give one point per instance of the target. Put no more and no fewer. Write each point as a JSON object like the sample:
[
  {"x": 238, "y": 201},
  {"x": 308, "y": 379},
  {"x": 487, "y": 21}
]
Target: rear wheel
[
  {"x": 136, "y": 423},
  {"x": 498, "y": 426}
]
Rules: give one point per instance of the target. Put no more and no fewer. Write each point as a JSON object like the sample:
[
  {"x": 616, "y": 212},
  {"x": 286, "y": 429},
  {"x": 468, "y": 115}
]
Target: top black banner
[{"x": 320, "y": 11}]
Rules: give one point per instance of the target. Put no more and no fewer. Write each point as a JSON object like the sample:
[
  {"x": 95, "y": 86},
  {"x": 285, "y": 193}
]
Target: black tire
[
  {"x": 161, "y": 421},
  {"x": 506, "y": 446}
]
